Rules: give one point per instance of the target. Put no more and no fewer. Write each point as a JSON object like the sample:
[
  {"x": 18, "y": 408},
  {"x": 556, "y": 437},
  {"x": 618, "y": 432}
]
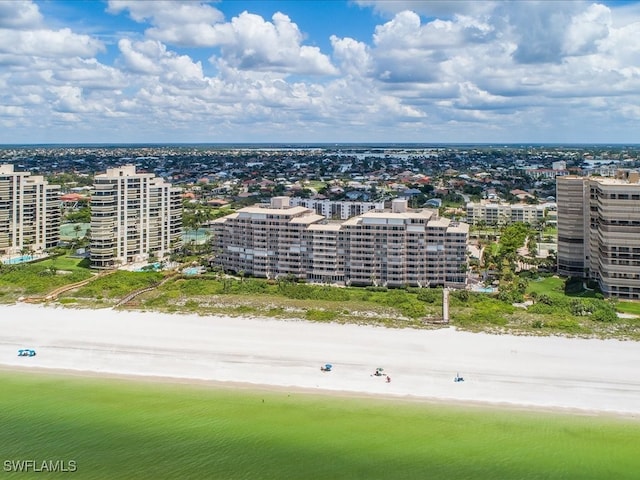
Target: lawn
[
  {"x": 547, "y": 286},
  {"x": 66, "y": 263},
  {"x": 632, "y": 308},
  {"x": 125, "y": 429},
  {"x": 555, "y": 286}
]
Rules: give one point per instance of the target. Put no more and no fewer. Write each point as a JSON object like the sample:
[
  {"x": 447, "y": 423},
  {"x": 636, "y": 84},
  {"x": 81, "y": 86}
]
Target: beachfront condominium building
[
  {"x": 338, "y": 209},
  {"x": 392, "y": 248},
  {"x": 598, "y": 231},
  {"x": 573, "y": 222},
  {"x": 134, "y": 216},
  {"x": 29, "y": 212}
]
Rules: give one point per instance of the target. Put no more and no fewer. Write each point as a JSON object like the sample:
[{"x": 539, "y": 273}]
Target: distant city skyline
[{"x": 361, "y": 71}]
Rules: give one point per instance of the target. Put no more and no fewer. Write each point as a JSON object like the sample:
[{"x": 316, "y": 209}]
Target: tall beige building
[
  {"x": 133, "y": 216},
  {"x": 573, "y": 233},
  {"x": 29, "y": 212},
  {"x": 599, "y": 231},
  {"x": 392, "y": 248}
]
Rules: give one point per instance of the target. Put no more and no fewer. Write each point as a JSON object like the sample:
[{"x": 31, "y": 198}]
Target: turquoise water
[
  {"x": 192, "y": 271},
  {"x": 152, "y": 267},
  {"x": 486, "y": 290},
  {"x": 199, "y": 237},
  {"x": 16, "y": 260}
]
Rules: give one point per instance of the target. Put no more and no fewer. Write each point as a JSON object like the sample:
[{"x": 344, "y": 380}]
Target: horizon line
[{"x": 319, "y": 144}]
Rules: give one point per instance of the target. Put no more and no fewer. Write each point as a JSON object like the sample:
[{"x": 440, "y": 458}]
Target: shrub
[
  {"x": 67, "y": 301},
  {"x": 566, "y": 324},
  {"x": 429, "y": 295},
  {"x": 118, "y": 284},
  {"x": 510, "y": 296},
  {"x": 192, "y": 305},
  {"x": 376, "y": 289},
  {"x": 604, "y": 314},
  {"x": 320, "y": 315},
  {"x": 580, "y": 308},
  {"x": 198, "y": 286},
  {"x": 412, "y": 309},
  {"x": 573, "y": 285},
  {"x": 545, "y": 299},
  {"x": 300, "y": 291},
  {"x": 244, "y": 310},
  {"x": 541, "y": 309},
  {"x": 461, "y": 295}
]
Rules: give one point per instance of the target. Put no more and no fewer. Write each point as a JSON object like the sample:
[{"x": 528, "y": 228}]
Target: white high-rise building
[
  {"x": 29, "y": 212},
  {"x": 133, "y": 216}
]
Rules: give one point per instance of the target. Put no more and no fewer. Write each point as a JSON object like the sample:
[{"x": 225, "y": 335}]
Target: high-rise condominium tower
[
  {"x": 29, "y": 212},
  {"x": 599, "y": 231},
  {"x": 133, "y": 216}
]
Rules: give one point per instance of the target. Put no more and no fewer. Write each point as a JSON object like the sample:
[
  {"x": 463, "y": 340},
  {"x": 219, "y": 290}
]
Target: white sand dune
[{"x": 540, "y": 372}]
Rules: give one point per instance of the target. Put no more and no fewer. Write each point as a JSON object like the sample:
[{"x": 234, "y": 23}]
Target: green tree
[
  {"x": 532, "y": 246},
  {"x": 81, "y": 215},
  {"x": 512, "y": 238}
]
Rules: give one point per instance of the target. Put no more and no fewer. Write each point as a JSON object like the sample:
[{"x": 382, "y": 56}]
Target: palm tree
[{"x": 532, "y": 246}]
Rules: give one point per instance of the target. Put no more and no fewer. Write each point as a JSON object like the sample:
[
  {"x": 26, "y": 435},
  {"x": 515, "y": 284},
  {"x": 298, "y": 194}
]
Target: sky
[{"x": 331, "y": 71}]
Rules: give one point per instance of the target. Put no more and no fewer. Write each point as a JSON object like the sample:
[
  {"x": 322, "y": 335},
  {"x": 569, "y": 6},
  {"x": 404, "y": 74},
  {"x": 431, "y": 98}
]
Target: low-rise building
[{"x": 493, "y": 213}]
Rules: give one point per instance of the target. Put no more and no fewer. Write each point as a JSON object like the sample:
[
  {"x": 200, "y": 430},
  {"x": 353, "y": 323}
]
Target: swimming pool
[
  {"x": 193, "y": 270},
  {"x": 152, "y": 267},
  {"x": 485, "y": 290},
  {"x": 16, "y": 260},
  {"x": 199, "y": 236}
]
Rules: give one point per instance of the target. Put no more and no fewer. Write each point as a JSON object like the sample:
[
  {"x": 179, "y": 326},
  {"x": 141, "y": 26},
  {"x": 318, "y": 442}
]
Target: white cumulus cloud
[
  {"x": 48, "y": 43},
  {"x": 19, "y": 14},
  {"x": 428, "y": 71},
  {"x": 177, "y": 23},
  {"x": 249, "y": 42}
]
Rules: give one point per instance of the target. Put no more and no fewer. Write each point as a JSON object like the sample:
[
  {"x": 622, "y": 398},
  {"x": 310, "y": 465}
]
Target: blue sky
[{"x": 319, "y": 71}]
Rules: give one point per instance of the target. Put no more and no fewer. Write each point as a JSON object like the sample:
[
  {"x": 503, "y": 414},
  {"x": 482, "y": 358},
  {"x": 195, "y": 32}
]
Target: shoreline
[
  {"x": 256, "y": 389},
  {"x": 571, "y": 376}
]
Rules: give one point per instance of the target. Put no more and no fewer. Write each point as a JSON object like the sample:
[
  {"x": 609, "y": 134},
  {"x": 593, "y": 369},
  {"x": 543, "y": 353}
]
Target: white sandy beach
[{"x": 533, "y": 372}]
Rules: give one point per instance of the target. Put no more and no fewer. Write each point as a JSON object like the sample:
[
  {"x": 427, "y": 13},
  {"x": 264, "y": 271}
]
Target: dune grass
[
  {"x": 40, "y": 277},
  {"x": 113, "y": 428}
]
